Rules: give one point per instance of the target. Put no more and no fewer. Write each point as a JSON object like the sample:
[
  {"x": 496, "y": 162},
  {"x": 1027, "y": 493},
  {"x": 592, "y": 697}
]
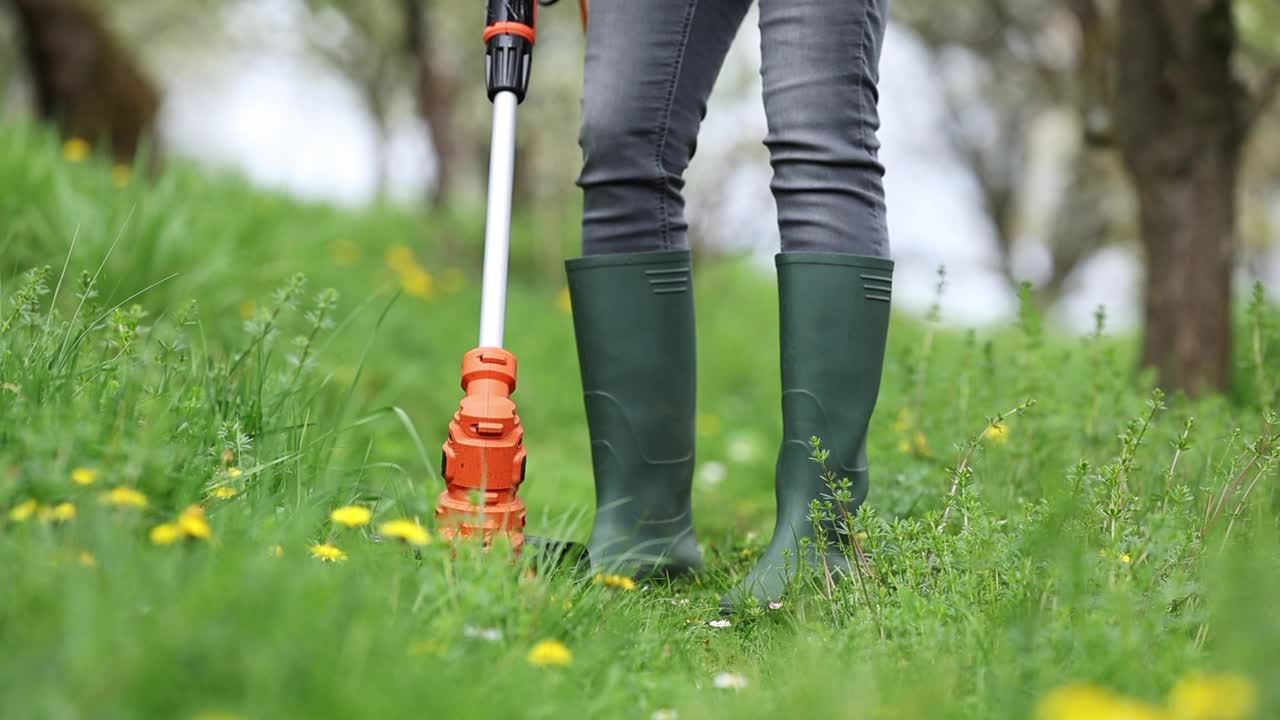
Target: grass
[{"x": 183, "y": 339}]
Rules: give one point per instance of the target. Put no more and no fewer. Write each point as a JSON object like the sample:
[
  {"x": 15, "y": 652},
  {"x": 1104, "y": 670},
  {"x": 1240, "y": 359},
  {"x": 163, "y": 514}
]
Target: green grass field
[{"x": 1095, "y": 553}]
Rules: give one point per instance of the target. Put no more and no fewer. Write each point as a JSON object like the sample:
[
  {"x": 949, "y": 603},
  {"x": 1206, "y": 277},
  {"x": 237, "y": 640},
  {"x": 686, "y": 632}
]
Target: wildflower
[
  {"x": 62, "y": 512},
  {"x": 742, "y": 450},
  {"x": 23, "y": 510},
  {"x": 564, "y": 301},
  {"x": 920, "y": 445},
  {"x": 400, "y": 257},
  {"x": 192, "y": 523},
  {"x": 417, "y": 282},
  {"x": 550, "y": 652},
  {"x": 910, "y": 439},
  {"x": 1081, "y": 701},
  {"x": 224, "y": 492},
  {"x": 76, "y": 149},
  {"x": 729, "y": 681},
  {"x": 84, "y": 476},
  {"x": 775, "y": 606},
  {"x": 165, "y": 534},
  {"x": 712, "y": 473},
  {"x": 406, "y": 530},
  {"x": 1076, "y": 701},
  {"x": 327, "y": 552},
  {"x": 618, "y": 581},
  {"x": 124, "y": 497},
  {"x": 664, "y": 714},
  {"x": 120, "y": 175},
  {"x": 997, "y": 432},
  {"x": 1126, "y": 559},
  {"x": 488, "y": 634},
  {"x": 86, "y": 559},
  {"x": 351, "y": 515},
  {"x": 721, "y": 623},
  {"x": 1213, "y": 697},
  {"x": 234, "y": 472},
  {"x": 277, "y": 551},
  {"x": 708, "y": 425},
  {"x": 345, "y": 253}
]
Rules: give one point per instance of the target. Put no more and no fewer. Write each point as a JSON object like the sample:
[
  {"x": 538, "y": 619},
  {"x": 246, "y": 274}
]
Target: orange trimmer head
[{"x": 484, "y": 458}]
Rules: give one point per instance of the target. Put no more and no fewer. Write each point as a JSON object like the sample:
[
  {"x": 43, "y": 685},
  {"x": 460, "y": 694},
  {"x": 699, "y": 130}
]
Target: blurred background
[{"x": 1076, "y": 146}]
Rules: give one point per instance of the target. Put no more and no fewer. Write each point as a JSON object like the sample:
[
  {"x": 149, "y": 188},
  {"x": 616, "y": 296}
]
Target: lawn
[{"x": 194, "y": 375}]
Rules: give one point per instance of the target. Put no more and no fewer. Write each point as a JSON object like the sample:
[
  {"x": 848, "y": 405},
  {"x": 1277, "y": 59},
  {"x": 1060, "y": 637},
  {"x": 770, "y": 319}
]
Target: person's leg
[
  {"x": 649, "y": 70},
  {"x": 820, "y": 68},
  {"x": 834, "y": 277},
  {"x": 650, "y": 67}
]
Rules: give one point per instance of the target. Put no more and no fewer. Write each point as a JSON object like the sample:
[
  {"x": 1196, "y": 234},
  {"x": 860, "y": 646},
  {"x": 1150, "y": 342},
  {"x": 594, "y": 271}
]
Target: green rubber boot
[
  {"x": 633, "y": 319},
  {"x": 834, "y": 320}
]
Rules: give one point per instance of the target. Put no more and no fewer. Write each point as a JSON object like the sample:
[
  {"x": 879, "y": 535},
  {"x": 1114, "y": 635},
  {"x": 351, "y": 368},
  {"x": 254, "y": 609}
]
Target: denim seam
[{"x": 664, "y": 128}]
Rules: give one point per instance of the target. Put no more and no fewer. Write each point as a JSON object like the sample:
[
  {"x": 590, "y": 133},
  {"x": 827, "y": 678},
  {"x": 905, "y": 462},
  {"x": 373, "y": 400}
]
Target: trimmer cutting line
[{"x": 484, "y": 459}]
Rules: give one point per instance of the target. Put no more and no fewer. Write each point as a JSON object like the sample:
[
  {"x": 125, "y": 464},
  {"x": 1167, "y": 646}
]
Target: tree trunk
[
  {"x": 1180, "y": 129},
  {"x": 435, "y": 94},
  {"x": 85, "y": 82}
]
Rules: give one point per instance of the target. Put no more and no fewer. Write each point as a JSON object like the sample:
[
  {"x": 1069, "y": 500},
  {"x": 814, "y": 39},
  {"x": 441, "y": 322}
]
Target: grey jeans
[{"x": 650, "y": 66}]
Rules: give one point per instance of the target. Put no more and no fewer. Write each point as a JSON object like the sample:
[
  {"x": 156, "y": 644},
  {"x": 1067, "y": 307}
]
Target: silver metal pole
[{"x": 497, "y": 226}]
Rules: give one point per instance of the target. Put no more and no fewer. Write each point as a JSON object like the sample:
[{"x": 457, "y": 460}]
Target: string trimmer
[{"x": 484, "y": 459}]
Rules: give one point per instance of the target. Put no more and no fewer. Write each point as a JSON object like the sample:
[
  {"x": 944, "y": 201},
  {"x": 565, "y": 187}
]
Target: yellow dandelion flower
[
  {"x": 1213, "y": 697},
  {"x": 997, "y": 433},
  {"x": 345, "y": 253},
  {"x": 618, "y": 581},
  {"x": 327, "y": 552},
  {"x": 193, "y": 523},
  {"x": 124, "y": 497},
  {"x": 224, "y": 492},
  {"x": 121, "y": 175},
  {"x": 23, "y": 511},
  {"x": 277, "y": 551},
  {"x": 76, "y": 149},
  {"x": 453, "y": 280},
  {"x": 550, "y": 652},
  {"x": 351, "y": 515},
  {"x": 1126, "y": 559},
  {"x": 84, "y": 476},
  {"x": 708, "y": 425},
  {"x": 904, "y": 446},
  {"x": 1077, "y": 701},
  {"x": 920, "y": 445},
  {"x": 564, "y": 301},
  {"x": 86, "y": 559},
  {"x": 406, "y": 530},
  {"x": 417, "y": 282},
  {"x": 234, "y": 472},
  {"x": 62, "y": 512},
  {"x": 400, "y": 258},
  {"x": 165, "y": 534}
]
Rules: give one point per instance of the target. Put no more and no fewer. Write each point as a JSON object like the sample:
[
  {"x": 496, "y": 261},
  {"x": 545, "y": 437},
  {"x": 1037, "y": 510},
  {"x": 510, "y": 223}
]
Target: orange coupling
[{"x": 484, "y": 457}]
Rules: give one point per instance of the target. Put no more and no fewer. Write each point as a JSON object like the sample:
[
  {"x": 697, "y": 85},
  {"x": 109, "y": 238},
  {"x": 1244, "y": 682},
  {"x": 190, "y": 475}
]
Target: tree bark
[
  {"x": 1180, "y": 128},
  {"x": 85, "y": 82},
  {"x": 435, "y": 93}
]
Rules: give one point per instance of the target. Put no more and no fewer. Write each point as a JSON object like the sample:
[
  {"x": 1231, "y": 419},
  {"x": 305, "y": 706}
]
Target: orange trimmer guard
[{"x": 484, "y": 457}]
